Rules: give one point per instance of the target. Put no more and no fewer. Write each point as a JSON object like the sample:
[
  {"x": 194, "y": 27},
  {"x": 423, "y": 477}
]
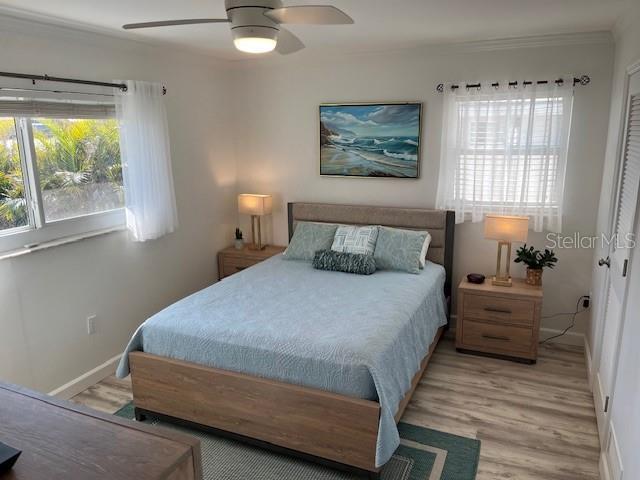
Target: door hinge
[
  {"x": 624, "y": 267},
  {"x": 606, "y": 404}
]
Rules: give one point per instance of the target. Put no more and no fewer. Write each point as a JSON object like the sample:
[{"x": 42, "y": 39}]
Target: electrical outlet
[
  {"x": 91, "y": 324},
  {"x": 586, "y": 301}
]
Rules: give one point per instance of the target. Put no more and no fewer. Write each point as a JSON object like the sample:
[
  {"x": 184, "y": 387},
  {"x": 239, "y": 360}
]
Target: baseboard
[
  {"x": 588, "y": 362},
  {"x": 85, "y": 380},
  {"x": 610, "y": 464},
  {"x": 569, "y": 338},
  {"x": 603, "y": 466}
]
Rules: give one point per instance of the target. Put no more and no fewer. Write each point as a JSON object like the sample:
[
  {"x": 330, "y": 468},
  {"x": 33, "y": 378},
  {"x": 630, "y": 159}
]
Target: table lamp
[
  {"x": 505, "y": 230},
  {"x": 256, "y": 206}
]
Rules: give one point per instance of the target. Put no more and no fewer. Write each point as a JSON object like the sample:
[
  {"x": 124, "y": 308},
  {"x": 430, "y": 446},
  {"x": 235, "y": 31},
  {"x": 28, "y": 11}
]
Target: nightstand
[
  {"x": 503, "y": 321},
  {"x": 231, "y": 260}
]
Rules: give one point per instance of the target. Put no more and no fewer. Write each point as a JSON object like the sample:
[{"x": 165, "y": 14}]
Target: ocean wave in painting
[{"x": 373, "y": 156}]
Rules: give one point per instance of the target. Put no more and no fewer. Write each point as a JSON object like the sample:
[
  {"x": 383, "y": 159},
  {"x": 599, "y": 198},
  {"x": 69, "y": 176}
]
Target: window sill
[
  {"x": 59, "y": 230},
  {"x": 58, "y": 242}
]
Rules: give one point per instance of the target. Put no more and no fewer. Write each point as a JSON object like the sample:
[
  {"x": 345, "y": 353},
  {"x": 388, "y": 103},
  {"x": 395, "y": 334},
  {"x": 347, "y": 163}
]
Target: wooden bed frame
[{"x": 318, "y": 425}]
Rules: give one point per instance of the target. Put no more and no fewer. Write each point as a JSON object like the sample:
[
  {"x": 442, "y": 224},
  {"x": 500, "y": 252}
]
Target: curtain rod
[
  {"x": 583, "y": 80},
  {"x": 48, "y": 78}
]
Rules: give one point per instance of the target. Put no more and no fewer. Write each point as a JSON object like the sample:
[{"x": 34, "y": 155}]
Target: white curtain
[
  {"x": 504, "y": 151},
  {"x": 146, "y": 161}
]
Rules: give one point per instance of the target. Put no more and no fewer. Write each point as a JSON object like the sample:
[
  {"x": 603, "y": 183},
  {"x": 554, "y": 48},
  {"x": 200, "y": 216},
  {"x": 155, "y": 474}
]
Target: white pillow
[
  {"x": 352, "y": 239},
  {"x": 425, "y": 249}
]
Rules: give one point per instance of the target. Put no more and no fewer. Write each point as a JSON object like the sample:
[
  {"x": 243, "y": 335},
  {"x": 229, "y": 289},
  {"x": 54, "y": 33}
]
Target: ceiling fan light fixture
[
  {"x": 256, "y": 25},
  {"x": 255, "y": 39},
  {"x": 255, "y": 44}
]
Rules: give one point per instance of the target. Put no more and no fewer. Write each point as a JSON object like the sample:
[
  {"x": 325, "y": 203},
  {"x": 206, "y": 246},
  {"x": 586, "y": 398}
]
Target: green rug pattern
[{"x": 423, "y": 454}]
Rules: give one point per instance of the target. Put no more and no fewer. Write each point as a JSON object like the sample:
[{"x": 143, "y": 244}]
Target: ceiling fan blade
[
  {"x": 310, "y": 15},
  {"x": 288, "y": 42},
  {"x": 170, "y": 23}
]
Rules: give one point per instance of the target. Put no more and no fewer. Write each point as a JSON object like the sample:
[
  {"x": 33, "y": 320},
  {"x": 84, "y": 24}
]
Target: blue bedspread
[{"x": 362, "y": 336}]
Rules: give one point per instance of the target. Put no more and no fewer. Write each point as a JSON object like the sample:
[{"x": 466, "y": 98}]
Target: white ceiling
[{"x": 379, "y": 24}]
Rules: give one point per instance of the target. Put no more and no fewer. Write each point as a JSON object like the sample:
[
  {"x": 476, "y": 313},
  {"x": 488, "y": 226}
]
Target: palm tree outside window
[{"x": 58, "y": 173}]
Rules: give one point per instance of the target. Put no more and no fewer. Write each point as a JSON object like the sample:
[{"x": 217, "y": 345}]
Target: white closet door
[{"x": 618, "y": 259}]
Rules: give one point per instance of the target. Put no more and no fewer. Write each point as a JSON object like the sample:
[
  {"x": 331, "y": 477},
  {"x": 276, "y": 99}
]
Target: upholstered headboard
[{"x": 439, "y": 223}]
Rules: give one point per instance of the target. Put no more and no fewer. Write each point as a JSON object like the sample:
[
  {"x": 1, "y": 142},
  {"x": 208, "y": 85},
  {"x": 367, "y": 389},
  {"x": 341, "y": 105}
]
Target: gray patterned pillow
[
  {"x": 398, "y": 249},
  {"x": 344, "y": 262},
  {"x": 308, "y": 238},
  {"x": 352, "y": 239}
]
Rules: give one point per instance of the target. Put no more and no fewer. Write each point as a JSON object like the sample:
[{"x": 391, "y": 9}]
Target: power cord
[{"x": 573, "y": 314}]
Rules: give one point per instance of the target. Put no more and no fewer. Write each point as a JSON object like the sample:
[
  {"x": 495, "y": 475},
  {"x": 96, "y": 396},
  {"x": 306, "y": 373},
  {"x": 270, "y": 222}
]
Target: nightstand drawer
[
  {"x": 499, "y": 309},
  {"x": 231, "y": 265},
  {"x": 496, "y": 337},
  {"x": 232, "y": 260}
]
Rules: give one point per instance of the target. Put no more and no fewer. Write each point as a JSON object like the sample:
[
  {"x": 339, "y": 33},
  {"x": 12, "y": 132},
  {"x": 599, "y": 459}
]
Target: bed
[{"x": 298, "y": 359}]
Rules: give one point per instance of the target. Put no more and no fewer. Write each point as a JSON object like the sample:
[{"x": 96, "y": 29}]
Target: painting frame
[{"x": 348, "y": 105}]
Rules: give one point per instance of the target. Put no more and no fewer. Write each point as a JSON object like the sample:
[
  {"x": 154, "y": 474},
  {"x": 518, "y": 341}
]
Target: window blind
[
  {"x": 50, "y": 109},
  {"x": 504, "y": 152},
  {"x": 502, "y": 163}
]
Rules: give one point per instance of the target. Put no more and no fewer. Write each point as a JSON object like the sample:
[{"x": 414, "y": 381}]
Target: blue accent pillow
[
  {"x": 398, "y": 249},
  {"x": 344, "y": 262},
  {"x": 308, "y": 238}
]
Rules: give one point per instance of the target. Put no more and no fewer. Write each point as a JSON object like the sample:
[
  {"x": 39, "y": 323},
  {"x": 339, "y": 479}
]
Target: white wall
[
  {"x": 277, "y": 139},
  {"x": 625, "y": 414},
  {"x": 45, "y": 297},
  {"x": 258, "y": 123}
]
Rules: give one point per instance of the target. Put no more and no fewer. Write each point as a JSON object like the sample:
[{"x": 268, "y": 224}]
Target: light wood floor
[{"x": 535, "y": 422}]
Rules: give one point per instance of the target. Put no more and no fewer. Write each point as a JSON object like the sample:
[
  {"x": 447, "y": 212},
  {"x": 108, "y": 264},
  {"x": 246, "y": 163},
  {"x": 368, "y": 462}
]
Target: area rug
[{"x": 423, "y": 454}]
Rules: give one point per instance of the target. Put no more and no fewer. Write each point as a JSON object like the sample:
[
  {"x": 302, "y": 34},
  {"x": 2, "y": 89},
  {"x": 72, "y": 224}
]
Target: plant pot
[
  {"x": 239, "y": 244},
  {"x": 534, "y": 276}
]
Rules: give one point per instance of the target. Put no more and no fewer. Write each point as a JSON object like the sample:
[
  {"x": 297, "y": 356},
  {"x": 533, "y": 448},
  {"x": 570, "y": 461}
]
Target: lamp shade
[
  {"x": 506, "y": 229},
  {"x": 254, "y": 204}
]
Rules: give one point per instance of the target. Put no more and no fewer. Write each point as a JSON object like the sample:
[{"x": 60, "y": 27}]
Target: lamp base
[
  {"x": 501, "y": 282},
  {"x": 256, "y": 240},
  {"x": 502, "y": 278}
]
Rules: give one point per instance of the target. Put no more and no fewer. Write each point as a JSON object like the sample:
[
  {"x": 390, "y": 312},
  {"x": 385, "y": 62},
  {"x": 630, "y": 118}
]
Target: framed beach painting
[{"x": 370, "y": 140}]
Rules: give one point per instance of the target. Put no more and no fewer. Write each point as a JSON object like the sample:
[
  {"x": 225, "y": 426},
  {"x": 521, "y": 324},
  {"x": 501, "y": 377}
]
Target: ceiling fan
[{"x": 256, "y": 24}]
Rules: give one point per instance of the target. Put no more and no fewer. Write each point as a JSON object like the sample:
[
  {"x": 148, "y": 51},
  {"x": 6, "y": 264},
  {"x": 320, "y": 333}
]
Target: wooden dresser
[
  {"x": 496, "y": 320},
  {"x": 61, "y": 440},
  {"x": 231, "y": 260}
]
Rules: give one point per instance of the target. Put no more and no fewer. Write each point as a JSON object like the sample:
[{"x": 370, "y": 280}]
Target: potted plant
[
  {"x": 239, "y": 243},
  {"x": 535, "y": 260}
]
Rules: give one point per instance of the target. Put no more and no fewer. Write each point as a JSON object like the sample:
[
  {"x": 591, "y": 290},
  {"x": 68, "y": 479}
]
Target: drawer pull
[
  {"x": 495, "y": 337},
  {"x": 496, "y": 310},
  {"x": 239, "y": 269}
]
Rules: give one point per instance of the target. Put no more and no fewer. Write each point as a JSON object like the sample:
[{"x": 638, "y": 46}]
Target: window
[
  {"x": 13, "y": 203},
  {"x": 60, "y": 171},
  {"x": 78, "y": 166},
  {"x": 505, "y": 153}
]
